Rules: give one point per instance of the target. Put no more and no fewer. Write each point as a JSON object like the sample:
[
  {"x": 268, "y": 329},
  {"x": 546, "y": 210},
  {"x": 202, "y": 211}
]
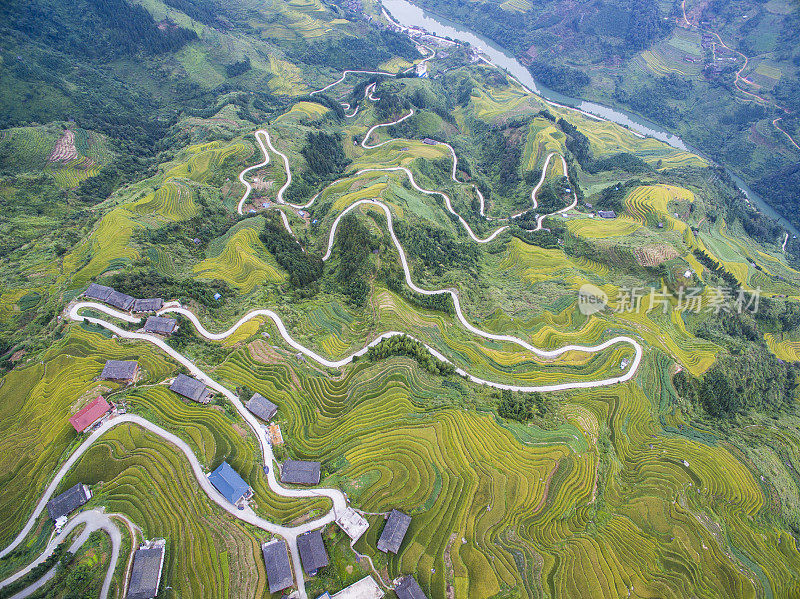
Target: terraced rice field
[
  {"x": 170, "y": 202},
  {"x": 523, "y": 507},
  {"x": 198, "y": 162},
  {"x": 543, "y": 138},
  {"x": 36, "y": 403},
  {"x": 208, "y": 553},
  {"x": 240, "y": 260}
]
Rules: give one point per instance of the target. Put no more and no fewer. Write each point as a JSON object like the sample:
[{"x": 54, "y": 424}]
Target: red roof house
[{"x": 89, "y": 414}]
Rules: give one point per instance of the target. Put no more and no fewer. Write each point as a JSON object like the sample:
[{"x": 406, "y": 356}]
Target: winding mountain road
[{"x": 94, "y": 520}]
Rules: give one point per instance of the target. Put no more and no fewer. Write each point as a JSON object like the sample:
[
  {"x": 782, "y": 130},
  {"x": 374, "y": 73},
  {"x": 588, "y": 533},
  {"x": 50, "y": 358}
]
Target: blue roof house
[{"x": 229, "y": 483}]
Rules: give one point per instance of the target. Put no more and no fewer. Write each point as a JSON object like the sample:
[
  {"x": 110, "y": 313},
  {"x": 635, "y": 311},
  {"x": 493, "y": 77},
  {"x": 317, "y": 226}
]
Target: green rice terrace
[{"x": 398, "y": 263}]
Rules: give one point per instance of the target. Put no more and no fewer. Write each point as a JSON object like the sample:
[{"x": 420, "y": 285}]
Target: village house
[
  {"x": 90, "y": 414},
  {"x": 394, "y": 531},
  {"x": 98, "y": 292},
  {"x": 279, "y": 569},
  {"x": 144, "y": 306},
  {"x": 262, "y": 407},
  {"x": 191, "y": 388},
  {"x": 120, "y": 300},
  {"x": 607, "y": 214},
  {"x": 312, "y": 552},
  {"x": 299, "y": 472},
  {"x": 230, "y": 485},
  {"x": 120, "y": 371},
  {"x": 408, "y": 588},
  {"x": 148, "y": 564},
  {"x": 68, "y": 501},
  {"x": 160, "y": 325}
]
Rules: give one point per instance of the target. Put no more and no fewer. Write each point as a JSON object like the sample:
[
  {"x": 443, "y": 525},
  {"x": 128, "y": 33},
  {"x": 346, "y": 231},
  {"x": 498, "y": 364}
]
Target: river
[{"x": 409, "y": 15}]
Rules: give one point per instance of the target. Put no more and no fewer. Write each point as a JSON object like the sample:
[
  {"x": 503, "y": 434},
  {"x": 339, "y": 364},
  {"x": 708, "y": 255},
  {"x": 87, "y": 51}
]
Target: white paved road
[{"x": 93, "y": 519}]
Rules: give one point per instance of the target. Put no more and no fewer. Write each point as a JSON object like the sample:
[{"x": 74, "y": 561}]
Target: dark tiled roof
[
  {"x": 66, "y": 503},
  {"x": 228, "y": 482},
  {"x": 120, "y": 300},
  {"x": 119, "y": 370},
  {"x": 301, "y": 473},
  {"x": 261, "y": 407},
  {"x": 89, "y": 414},
  {"x": 607, "y": 214},
  {"x": 152, "y": 304},
  {"x": 146, "y": 573},
  {"x": 312, "y": 551},
  {"x": 160, "y": 325},
  {"x": 408, "y": 588},
  {"x": 190, "y": 388},
  {"x": 279, "y": 571},
  {"x": 98, "y": 292},
  {"x": 394, "y": 531}
]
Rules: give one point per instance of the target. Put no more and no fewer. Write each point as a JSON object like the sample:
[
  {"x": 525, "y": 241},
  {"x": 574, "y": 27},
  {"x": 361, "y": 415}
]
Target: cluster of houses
[
  {"x": 149, "y": 559},
  {"x": 313, "y": 556},
  {"x": 154, "y": 324}
]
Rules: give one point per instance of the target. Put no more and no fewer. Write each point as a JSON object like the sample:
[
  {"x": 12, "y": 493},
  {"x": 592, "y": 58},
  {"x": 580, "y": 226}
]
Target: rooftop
[
  {"x": 262, "y": 407},
  {"x": 120, "y": 300},
  {"x": 119, "y": 370},
  {"x": 394, "y": 531},
  {"x": 160, "y": 325},
  {"x": 352, "y": 523},
  {"x": 366, "y": 588},
  {"x": 228, "y": 482},
  {"x": 89, "y": 414},
  {"x": 408, "y": 588},
  {"x": 146, "y": 572},
  {"x": 279, "y": 570},
  {"x": 69, "y": 501},
  {"x": 312, "y": 551},
  {"x": 153, "y": 304},
  {"x": 191, "y": 388},
  {"x": 98, "y": 292},
  {"x": 300, "y": 472}
]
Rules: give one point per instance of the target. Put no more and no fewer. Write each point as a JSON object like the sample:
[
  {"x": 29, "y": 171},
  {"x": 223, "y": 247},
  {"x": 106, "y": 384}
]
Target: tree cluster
[
  {"x": 521, "y": 406},
  {"x": 303, "y": 268},
  {"x": 403, "y": 345}
]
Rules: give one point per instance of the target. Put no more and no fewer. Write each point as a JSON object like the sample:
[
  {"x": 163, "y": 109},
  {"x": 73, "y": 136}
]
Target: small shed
[
  {"x": 89, "y": 414},
  {"x": 394, "y": 531},
  {"x": 228, "y": 482},
  {"x": 148, "y": 563},
  {"x": 352, "y": 523},
  {"x": 429, "y": 141},
  {"x": 98, "y": 292},
  {"x": 120, "y": 300},
  {"x": 191, "y": 388},
  {"x": 279, "y": 569},
  {"x": 312, "y": 551},
  {"x": 160, "y": 325},
  {"x": 120, "y": 370},
  {"x": 152, "y": 304},
  {"x": 68, "y": 501},
  {"x": 262, "y": 407},
  {"x": 366, "y": 588},
  {"x": 299, "y": 472},
  {"x": 408, "y": 588}
]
